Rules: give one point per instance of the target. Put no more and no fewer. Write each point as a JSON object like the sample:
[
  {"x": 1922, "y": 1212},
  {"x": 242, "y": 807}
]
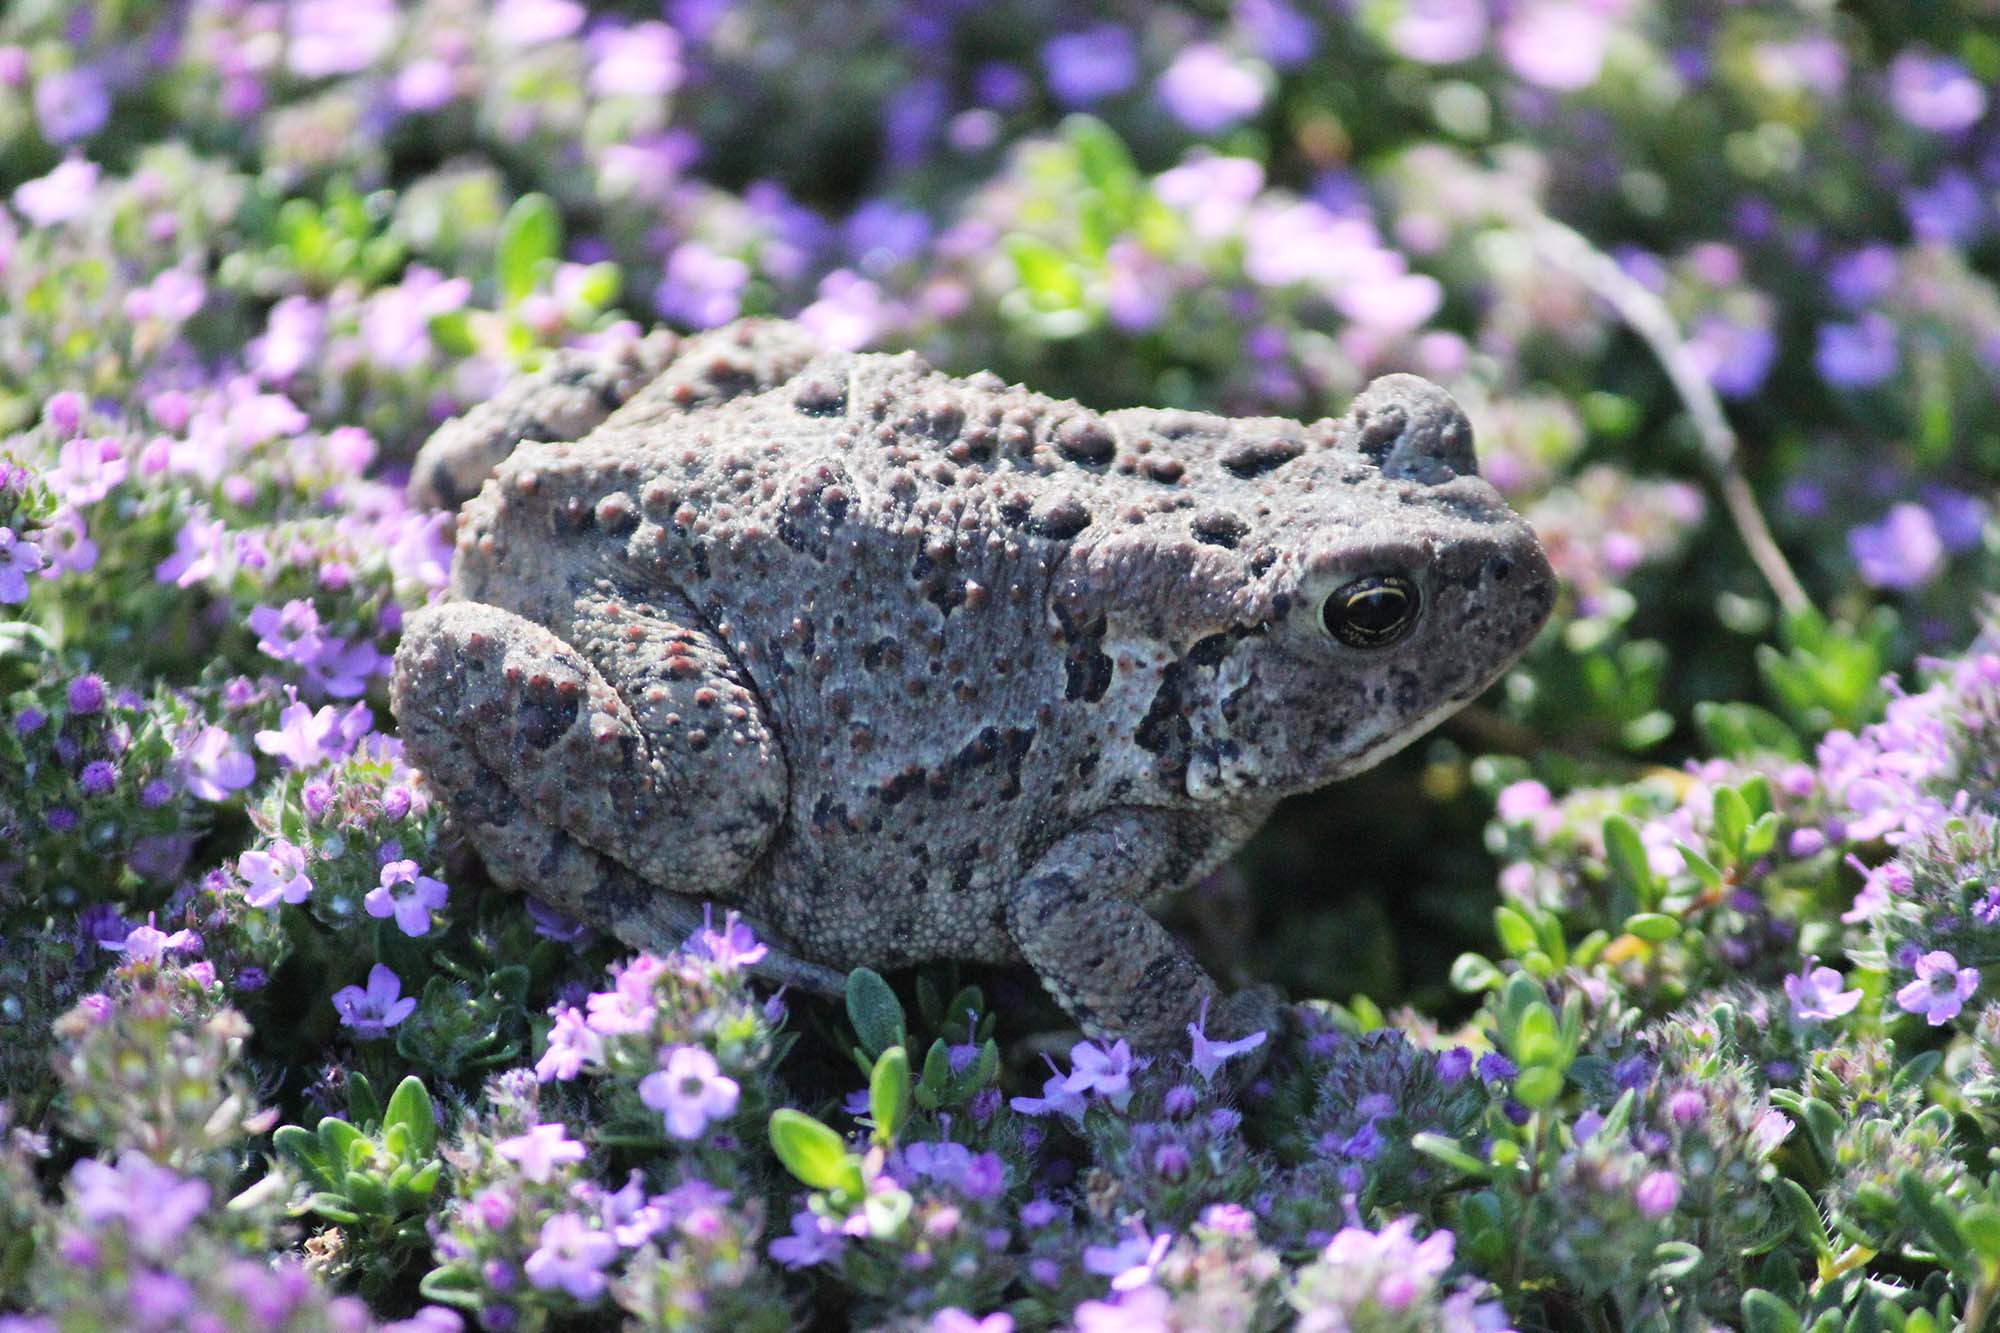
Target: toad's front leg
[{"x": 1077, "y": 920}]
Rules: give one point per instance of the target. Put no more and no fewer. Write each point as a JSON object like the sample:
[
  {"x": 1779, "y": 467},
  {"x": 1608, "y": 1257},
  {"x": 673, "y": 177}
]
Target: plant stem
[{"x": 1647, "y": 315}]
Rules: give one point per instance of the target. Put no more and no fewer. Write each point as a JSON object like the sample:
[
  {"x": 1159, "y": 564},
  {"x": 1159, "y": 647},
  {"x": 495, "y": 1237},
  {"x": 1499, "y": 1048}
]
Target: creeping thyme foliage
[{"x": 1706, "y": 1033}]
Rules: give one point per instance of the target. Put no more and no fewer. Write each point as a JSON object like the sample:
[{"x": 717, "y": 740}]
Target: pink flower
[
  {"x": 689, "y": 1091},
  {"x": 303, "y": 738},
  {"x": 407, "y": 896},
  {"x": 274, "y": 875},
  {"x": 1557, "y": 44},
  {"x": 374, "y": 1011},
  {"x": 86, "y": 470},
  {"x": 1658, "y": 1193},
  {"x": 572, "y": 1255},
  {"x": 1941, "y": 989},
  {"x": 572, "y": 1045},
  {"x": 1816, "y": 995},
  {"x": 540, "y": 1151},
  {"x": 65, "y": 193}
]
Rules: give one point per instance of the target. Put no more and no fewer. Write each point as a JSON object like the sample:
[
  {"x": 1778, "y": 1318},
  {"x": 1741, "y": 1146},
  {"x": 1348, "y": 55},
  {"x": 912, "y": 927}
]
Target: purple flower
[
  {"x": 1941, "y": 989},
  {"x": 407, "y": 896},
  {"x": 1960, "y": 518},
  {"x": 71, "y": 104},
  {"x": 1860, "y": 355},
  {"x": 1657, "y": 1194},
  {"x": 86, "y": 694},
  {"x": 155, "y": 1203},
  {"x": 1056, "y": 1097},
  {"x": 278, "y": 873},
  {"x": 689, "y": 1091},
  {"x": 1901, "y": 551},
  {"x": 149, "y": 944},
  {"x": 572, "y": 1255},
  {"x": 374, "y": 1011},
  {"x": 213, "y": 767},
  {"x": 1104, "y": 1070},
  {"x": 1935, "y": 92},
  {"x": 1280, "y": 33},
  {"x": 1494, "y": 1067},
  {"x": 98, "y": 778},
  {"x": 1091, "y": 65},
  {"x": 540, "y": 1151},
  {"x": 1209, "y": 91},
  {"x": 1987, "y": 910},
  {"x": 701, "y": 287},
  {"x": 290, "y": 634},
  {"x": 1208, "y": 1056},
  {"x": 814, "y": 1240},
  {"x": 19, "y": 558},
  {"x": 1735, "y": 356},
  {"x": 1951, "y": 210},
  {"x": 303, "y": 738},
  {"x": 732, "y": 948},
  {"x": 1863, "y": 275},
  {"x": 1816, "y": 995}
]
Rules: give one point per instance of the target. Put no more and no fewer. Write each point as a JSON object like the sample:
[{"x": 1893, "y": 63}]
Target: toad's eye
[{"x": 1371, "y": 612}]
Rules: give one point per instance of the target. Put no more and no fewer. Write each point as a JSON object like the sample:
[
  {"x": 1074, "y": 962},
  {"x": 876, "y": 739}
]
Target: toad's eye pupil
[{"x": 1371, "y": 612}]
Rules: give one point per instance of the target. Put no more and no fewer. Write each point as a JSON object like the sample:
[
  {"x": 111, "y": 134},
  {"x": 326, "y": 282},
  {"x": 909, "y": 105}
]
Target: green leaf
[
  {"x": 1447, "y": 1150},
  {"x": 452, "y": 333},
  {"x": 1699, "y": 866},
  {"x": 1517, "y": 933},
  {"x": 1732, "y": 819},
  {"x": 1045, "y": 272},
  {"x": 1473, "y": 973},
  {"x": 410, "y": 1107},
  {"x": 332, "y": 1207},
  {"x": 363, "y": 1106},
  {"x": 874, "y": 1011},
  {"x": 1538, "y": 1087},
  {"x": 306, "y": 1152},
  {"x": 889, "y": 1093},
  {"x": 1652, "y": 927},
  {"x": 1807, "y": 1223},
  {"x": 1765, "y": 1313},
  {"x": 530, "y": 237},
  {"x": 813, "y": 1153},
  {"x": 1675, "y": 1258},
  {"x": 454, "y": 1285},
  {"x": 339, "y": 1139},
  {"x": 1535, "y": 1040},
  {"x": 1936, "y": 1222},
  {"x": 1626, "y": 851}
]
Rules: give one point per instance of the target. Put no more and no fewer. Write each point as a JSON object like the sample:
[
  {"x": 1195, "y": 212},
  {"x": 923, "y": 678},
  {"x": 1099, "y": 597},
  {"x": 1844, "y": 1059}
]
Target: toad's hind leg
[{"x": 624, "y": 777}]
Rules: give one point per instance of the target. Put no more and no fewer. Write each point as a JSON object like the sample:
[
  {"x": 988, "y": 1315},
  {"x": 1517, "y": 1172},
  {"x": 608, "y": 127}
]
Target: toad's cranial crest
[{"x": 910, "y": 667}]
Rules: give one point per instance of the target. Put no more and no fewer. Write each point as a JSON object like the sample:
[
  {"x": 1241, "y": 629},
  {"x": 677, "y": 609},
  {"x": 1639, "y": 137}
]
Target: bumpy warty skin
[{"x": 910, "y": 667}]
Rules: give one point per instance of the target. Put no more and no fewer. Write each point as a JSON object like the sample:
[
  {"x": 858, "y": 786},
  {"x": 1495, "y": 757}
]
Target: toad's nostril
[{"x": 1498, "y": 568}]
